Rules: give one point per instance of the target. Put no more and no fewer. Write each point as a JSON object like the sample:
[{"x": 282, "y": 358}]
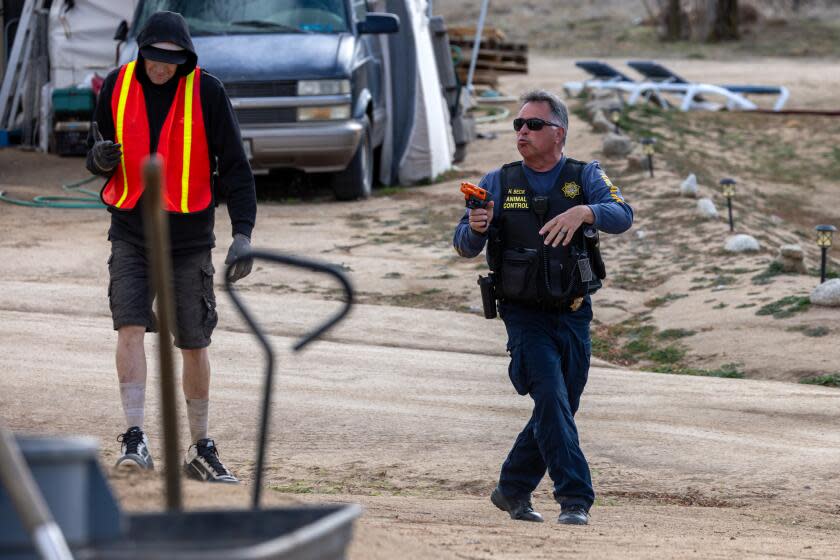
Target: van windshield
[{"x": 223, "y": 17}]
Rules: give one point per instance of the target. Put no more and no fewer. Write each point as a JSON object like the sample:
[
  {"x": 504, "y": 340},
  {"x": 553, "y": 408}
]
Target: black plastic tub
[{"x": 305, "y": 533}]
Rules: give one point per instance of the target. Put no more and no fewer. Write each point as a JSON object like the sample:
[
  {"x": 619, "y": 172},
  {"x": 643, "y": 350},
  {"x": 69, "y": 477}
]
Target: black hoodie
[{"x": 188, "y": 232}]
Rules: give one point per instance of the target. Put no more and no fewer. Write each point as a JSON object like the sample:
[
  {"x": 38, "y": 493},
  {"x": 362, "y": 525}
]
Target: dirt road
[{"x": 406, "y": 407}]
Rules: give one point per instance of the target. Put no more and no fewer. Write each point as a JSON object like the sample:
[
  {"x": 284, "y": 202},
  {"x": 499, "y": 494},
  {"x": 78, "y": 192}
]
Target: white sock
[
  {"x": 133, "y": 397},
  {"x": 198, "y": 414}
]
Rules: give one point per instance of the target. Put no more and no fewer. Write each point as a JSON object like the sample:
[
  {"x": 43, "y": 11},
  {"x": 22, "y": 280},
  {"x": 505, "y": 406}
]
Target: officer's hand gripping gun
[{"x": 474, "y": 196}]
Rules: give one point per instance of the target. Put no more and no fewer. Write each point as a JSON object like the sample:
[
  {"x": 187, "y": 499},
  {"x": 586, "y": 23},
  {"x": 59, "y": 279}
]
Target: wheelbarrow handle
[{"x": 312, "y": 335}]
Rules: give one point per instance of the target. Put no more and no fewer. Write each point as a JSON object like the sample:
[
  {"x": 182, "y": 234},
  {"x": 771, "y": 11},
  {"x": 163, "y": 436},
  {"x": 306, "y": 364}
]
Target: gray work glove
[
  {"x": 241, "y": 246},
  {"x": 106, "y": 154}
]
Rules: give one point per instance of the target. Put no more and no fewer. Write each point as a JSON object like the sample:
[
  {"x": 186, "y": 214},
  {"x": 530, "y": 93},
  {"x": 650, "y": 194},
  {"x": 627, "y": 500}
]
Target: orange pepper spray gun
[{"x": 474, "y": 196}]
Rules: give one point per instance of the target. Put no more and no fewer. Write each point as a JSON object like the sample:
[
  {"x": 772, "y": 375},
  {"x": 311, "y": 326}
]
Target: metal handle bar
[{"x": 299, "y": 345}]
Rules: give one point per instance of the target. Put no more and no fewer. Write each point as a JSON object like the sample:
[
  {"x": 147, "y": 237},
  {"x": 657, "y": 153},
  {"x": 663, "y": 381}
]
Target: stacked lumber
[{"x": 496, "y": 55}]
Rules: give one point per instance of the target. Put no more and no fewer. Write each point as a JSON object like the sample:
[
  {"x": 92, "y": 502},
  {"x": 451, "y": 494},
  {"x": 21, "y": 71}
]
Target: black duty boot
[
  {"x": 573, "y": 515},
  {"x": 519, "y": 509}
]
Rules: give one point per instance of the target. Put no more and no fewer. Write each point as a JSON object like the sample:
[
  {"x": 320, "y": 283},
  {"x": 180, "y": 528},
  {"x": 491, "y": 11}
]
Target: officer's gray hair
[{"x": 558, "y": 108}]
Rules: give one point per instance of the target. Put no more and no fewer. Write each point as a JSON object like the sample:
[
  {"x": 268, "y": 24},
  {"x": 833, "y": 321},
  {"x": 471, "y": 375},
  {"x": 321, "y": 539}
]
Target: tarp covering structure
[
  {"x": 420, "y": 145},
  {"x": 81, "y": 38}
]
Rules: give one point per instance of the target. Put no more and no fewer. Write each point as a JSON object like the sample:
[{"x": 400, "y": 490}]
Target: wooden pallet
[
  {"x": 480, "y": 77},
  {"x": 467, "y": 33},
  {"x": 507, "y": 47},
  {"x": 495, "y": 55}
]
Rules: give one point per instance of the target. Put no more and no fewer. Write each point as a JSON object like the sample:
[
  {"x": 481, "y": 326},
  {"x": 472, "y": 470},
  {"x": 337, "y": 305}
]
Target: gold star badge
[{"x": 571, "y": 190}]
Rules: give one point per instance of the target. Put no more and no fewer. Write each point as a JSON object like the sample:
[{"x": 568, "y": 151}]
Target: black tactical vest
[{"x": 526, "y": 270}]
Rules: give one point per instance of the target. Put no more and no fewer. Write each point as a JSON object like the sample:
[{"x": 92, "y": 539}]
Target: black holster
[
  {"x": 593, "y": 247},
  {"x": 487, "y": 284}
]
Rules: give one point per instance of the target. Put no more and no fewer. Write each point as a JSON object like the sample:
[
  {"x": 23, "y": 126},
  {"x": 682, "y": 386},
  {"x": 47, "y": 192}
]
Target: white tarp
[
  {"x": 431, "y": 147},
  {"x": 81, "y": 38}
]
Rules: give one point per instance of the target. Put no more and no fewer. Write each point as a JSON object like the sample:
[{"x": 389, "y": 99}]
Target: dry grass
[{"x": 605, "y": 27}]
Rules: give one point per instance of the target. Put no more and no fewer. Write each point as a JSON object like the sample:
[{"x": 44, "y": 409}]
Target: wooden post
[{"x": 156, "y": 224}]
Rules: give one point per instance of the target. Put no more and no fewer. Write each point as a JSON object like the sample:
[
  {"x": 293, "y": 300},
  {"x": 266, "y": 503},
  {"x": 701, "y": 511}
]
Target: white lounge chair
[{"x": 659, "y": 79}]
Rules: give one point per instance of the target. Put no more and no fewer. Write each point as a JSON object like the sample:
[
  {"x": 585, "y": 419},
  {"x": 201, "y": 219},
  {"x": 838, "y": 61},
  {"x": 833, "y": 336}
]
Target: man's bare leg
[
  {"x": 131, "y": 372},
  {"x": 203, "y": 461},
  {"x": 196, "y": 383}
]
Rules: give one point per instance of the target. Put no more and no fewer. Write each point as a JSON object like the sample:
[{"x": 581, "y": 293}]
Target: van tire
[{"x": 357, "y": 180}]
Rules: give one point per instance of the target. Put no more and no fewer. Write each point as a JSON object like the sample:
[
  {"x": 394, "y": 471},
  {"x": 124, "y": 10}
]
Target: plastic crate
[
  {"x": 70, "y": 142},
  {"x": 73, "y": 102}
]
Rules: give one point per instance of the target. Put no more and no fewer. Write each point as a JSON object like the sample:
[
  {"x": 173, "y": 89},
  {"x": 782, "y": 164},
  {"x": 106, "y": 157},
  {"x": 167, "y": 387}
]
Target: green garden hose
[{"x": 89, "y": 199}]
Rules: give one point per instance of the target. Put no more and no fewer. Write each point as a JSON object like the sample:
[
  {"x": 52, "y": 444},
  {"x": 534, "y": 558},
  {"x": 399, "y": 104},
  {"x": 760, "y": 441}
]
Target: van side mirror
[
  {"x": 379, "y": 23},
  {"x": 122, "y": 31}
]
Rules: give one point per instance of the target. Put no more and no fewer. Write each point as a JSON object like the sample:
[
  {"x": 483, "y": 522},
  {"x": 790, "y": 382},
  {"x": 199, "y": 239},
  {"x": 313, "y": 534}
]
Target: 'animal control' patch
[{"x": 516, "y": 199}]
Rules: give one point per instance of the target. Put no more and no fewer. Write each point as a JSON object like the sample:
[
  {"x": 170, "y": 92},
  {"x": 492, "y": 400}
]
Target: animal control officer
[{"x": 542, "y": 206}]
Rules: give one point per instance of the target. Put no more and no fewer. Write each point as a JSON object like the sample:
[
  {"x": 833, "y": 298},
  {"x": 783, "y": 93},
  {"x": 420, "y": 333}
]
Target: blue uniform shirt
[{"x": 612, "y": 213}]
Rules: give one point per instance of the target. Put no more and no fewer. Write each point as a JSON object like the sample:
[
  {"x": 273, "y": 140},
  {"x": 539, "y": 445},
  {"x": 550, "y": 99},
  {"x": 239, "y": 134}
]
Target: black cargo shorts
[{"x": 131, "y": 294}]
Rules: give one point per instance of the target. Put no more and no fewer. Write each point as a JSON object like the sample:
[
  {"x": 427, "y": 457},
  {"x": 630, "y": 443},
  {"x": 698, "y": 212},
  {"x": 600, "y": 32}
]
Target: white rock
[
  {"x": 792, "y": 259},
  {"x": 641, "y": 234},
  {"x": 637, "y": 161},
  {"x": 601, "y": 123},
  {"x": 706, "y": 208},
  {"x": 827, "y": 293},
  {"x": 688, "y": 188},
  {"x": 616, "y": 145},
  {"x": 603, "y": 105},
  {"x": 742, "y": 243},
  {"x": 792, "y": 251},
  {"x": 605, "y": 94}
]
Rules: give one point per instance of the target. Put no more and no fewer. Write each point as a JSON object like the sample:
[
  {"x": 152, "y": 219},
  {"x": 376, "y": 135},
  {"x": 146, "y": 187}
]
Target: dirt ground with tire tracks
[{"x": 406, "y": 407}]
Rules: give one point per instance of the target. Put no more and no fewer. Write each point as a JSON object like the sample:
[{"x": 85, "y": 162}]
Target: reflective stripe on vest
[{"x": 182, "y": 146}]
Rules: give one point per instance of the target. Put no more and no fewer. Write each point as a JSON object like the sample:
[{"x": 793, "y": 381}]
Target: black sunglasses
[{"x": 533, "y": 124}]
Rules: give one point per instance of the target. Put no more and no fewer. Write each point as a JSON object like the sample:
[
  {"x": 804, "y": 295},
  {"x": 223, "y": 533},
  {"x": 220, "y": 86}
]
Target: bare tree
[
  {"x": 725, "y": 27},
  {"x": 673, "y": 21},
  {"x": 715, "y": 20}
]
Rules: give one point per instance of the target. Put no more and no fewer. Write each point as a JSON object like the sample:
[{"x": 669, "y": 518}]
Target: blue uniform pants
[{"x": 549, "y": 362}]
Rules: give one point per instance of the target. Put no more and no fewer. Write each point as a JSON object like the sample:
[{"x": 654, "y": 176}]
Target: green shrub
[
  {"x": 785, "y": 307},
  {"x": 830, "y": 380},
  {"x": 673, "y": 334}
]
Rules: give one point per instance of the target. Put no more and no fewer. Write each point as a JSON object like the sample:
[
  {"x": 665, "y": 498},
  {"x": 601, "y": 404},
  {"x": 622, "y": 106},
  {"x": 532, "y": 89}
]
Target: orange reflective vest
[{"x": 182, "y": 146}]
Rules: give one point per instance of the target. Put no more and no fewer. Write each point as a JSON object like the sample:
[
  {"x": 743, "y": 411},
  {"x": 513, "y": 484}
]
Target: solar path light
[
  {"x": 824, "y": 238},
  {"x": 647, "y": 145},
  {"x": 728, "y": 186},
  {"x": 615, "y": 116}
]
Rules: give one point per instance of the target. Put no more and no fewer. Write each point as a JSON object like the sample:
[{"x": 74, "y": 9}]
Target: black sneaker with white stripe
[
  {"x": 203, "y": 463},
  {"x": 135, "y": 450}
]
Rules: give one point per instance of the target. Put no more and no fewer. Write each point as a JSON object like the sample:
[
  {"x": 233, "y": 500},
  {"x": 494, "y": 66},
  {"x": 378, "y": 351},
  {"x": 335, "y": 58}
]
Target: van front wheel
[{"x": 357, "y": 180}]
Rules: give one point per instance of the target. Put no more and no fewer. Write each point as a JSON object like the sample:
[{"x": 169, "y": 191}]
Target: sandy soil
[{"x": 406, "y": 407}]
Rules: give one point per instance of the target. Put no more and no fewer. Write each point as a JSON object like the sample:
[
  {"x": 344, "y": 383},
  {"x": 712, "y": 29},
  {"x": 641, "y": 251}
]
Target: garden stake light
[
  {"x": 647, "y": 144},
  {"x": 728, "y": 186},
  {"x": 824, "y": 238},
  {"x": 615, "y": 116}
]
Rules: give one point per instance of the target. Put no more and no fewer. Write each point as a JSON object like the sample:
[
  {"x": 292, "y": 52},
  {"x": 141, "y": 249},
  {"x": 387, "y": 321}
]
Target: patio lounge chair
[
  {"x": 661, "y": 80},
  {"x": 606, "y": 77},
  {"x": 603, "y": 76}
]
